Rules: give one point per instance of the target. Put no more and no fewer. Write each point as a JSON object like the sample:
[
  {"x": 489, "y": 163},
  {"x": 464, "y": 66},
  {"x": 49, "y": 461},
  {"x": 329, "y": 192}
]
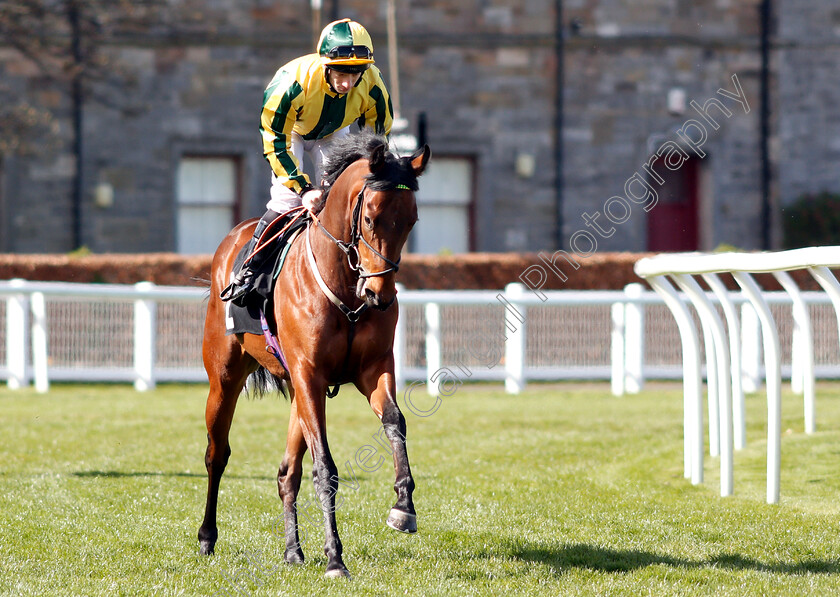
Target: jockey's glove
[{"x": 313, "y": 200}]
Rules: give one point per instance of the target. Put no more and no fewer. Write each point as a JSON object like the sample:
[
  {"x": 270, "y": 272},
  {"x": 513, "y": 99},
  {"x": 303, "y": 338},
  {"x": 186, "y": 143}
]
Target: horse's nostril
[{"x": 371, "y": 297}]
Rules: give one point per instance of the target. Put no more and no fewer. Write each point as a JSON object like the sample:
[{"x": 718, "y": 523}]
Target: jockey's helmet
[{"x": 345, "y": 46}]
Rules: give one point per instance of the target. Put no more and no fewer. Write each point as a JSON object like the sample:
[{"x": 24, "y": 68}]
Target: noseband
[{"x": 351, "y": 248}]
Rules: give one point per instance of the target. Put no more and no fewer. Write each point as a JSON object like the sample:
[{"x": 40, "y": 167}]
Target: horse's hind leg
[
  {"x": 221, "y": 403},
  {"x": 288, "y": 485}
]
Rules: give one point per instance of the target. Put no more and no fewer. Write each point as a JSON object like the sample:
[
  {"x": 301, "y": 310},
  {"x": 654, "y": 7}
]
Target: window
[
  {"x": 207, "y": 202},
  {"x": 444, "y": 202}
]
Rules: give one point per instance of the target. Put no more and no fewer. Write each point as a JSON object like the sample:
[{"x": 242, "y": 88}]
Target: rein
[{"x": 352, "y": 316}]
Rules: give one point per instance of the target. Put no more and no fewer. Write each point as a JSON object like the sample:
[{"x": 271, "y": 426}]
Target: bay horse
[{"x": 333, "y": 331}]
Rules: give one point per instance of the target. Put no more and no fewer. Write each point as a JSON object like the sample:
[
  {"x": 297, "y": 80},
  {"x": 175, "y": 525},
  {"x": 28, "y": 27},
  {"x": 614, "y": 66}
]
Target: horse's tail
[
  {"x": 204, "y": 283},
  {"x": 262, "y": 382}
]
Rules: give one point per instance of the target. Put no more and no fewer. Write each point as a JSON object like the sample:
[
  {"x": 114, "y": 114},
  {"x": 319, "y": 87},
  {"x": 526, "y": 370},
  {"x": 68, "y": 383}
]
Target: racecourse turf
[{"x": 563, "y": 490}]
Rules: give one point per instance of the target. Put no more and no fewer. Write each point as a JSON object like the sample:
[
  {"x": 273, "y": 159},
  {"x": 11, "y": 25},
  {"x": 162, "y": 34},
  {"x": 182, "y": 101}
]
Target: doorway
[{"x": 674, "y": 223}]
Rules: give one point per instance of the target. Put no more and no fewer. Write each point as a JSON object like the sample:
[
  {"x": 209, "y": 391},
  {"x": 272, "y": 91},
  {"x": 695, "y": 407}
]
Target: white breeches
[{"x": 282, "y": 197}]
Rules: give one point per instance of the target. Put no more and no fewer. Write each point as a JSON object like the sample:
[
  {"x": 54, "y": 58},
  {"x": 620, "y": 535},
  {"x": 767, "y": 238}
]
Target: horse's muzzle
[
  {"x": 374, "y": 300},
  {"x": 370, "y": 291}
]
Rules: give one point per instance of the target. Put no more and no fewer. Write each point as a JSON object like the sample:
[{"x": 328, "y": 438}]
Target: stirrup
[{"x": 241, "y": 285}]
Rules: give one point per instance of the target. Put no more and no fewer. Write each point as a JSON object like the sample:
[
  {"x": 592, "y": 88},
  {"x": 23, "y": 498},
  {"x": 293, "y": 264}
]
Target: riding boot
[{"x": 243, "y": 281}]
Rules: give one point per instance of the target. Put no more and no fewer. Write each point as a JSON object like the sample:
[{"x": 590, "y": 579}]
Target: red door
[{"x": 673, "y": 224}]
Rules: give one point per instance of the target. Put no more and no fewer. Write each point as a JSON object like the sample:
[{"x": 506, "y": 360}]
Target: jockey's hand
[{"x": 313, "y": 200}]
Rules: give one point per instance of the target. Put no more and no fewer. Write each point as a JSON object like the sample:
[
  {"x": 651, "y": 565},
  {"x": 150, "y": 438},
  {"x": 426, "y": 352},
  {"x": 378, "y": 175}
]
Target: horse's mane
[{"x": 351, "y": 148}]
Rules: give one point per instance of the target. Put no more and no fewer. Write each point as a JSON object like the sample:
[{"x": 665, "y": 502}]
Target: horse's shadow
[
  {"x": 612, "y": 560},
  {"x": 129, "y": 474}
]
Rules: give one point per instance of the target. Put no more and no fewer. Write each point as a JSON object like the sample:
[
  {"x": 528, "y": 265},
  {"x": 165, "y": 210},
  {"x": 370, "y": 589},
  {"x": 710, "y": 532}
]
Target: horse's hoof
[
  {"x": 402, "y": 521},
  {"x": 207, "y": 540},
  {"x": 206, "y": 548},
  {"x": 294, "y": 558},
  {"x": 338, "y": 573}
]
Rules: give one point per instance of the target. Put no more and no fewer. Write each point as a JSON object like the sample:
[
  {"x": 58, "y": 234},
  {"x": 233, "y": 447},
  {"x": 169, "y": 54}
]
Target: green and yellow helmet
[{"x": 345, "y": 46}]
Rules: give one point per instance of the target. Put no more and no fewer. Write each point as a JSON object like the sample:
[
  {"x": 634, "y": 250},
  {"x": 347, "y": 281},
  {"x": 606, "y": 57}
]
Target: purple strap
[{"x": 272, "y": 346}]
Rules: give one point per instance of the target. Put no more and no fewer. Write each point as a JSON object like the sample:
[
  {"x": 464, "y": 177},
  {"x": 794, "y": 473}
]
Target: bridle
[
  {"x": 351, "y": 250},
  {"x": 351, "y": 247}
]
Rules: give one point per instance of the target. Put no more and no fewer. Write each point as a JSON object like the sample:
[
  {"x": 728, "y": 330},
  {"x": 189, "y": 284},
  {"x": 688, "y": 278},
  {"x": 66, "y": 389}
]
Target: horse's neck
[
  {"x": 336, "y": 214},
  {"x": 332, "y": 261}
]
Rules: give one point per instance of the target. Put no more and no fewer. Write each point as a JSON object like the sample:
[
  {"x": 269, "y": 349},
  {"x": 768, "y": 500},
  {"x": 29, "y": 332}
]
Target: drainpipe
[
  {"x": 77, "y": 98},
  {"x": 558, "y": 126},
  {"x": 334, "y": 11},
  {"x": 316, "y": 21},
  {"x": 394, "y": 67},
  {"x": 766, "y": 9}
]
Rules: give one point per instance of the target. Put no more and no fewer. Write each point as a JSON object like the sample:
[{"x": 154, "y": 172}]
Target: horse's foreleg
[
  {"x": 381, "y": 391},
  {"x": 312, "y": 418},
  {"x": 221, "y": 403},
  {"x": 288, "y": 485}
]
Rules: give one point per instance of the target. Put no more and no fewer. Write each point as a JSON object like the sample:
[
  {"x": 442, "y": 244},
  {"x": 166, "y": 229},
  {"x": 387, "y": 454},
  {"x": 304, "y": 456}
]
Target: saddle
[{"x": 244, "y": 315}]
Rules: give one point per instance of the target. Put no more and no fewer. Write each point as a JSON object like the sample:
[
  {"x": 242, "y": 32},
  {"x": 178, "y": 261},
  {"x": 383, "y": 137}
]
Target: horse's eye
[{"x": 368, "y": 222}]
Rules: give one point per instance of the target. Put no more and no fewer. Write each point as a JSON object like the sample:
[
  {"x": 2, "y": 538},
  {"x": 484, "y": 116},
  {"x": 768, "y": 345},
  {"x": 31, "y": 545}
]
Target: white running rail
[
  {"x": 145, "y": 334},
  {"x": 141, "y": 312},
  {"x": 726, "y": 398}
]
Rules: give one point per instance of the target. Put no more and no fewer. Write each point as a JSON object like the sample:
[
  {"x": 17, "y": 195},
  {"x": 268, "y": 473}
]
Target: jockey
[{"x": 310, "y": 102}]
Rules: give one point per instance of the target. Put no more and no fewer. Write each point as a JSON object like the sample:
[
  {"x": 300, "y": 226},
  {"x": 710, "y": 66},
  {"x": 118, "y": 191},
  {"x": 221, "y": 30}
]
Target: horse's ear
[
  {"x": 419, "y": 159},
  {"x": 377, "y": 158}
]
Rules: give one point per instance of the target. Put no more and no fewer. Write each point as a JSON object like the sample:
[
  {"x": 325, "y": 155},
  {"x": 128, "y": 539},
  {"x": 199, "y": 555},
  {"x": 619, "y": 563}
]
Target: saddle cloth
[{"x": 246, "y": 318}]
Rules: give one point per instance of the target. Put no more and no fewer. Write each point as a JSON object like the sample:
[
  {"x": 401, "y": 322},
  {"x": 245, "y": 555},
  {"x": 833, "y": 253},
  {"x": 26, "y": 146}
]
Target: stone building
[{"x": 170, "y": 154}]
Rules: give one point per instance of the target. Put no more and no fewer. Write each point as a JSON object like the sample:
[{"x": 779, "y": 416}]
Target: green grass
[{"x": 563, "y": 490}]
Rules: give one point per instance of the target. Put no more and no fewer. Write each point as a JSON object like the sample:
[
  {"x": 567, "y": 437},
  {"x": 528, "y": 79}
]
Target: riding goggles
[{"x": 344, "y": 52}]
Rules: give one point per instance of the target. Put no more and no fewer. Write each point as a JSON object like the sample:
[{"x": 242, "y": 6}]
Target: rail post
[
  {"x": 40, "y": 357},
  {"x": 692, "y": 379},
  {"x": 634, "y": 340},
  {"x": 145, "y": 323},
  {"x": 433, "y": 348},
  {"x": 719, "y": 392},
  {"x": 772, "y": 370},
  {"x": 515, "y": 343},
  {"x": 739, "y": 432},
  {"x": 802, "y": 355},
  {"x": 750, "y": 349},
  {"x": 399, "y": 347},
  {"x": 17, "y": 336}
]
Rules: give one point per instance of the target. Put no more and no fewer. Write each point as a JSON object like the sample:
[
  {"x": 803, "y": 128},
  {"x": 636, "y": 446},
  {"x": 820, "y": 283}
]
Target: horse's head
[
  {"x": 371, "y": 201},
  {"x": 383, "y": 215}
]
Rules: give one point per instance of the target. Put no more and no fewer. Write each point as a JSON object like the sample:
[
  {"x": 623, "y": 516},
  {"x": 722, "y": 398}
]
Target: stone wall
[{"x": 807, "y": 106}]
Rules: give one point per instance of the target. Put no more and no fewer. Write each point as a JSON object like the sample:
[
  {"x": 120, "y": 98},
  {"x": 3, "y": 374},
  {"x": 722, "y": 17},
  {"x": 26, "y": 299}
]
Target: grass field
[{"x": 564, "y": 490}]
